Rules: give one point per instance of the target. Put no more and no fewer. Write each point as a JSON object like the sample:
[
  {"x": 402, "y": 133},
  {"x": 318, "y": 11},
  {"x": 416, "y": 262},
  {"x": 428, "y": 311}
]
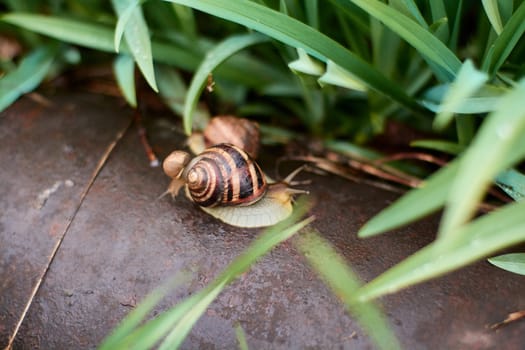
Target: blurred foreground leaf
[
  {"x": 486, "y": 158},
  {"x": 172, "y": 326},
  {"x": 480, "y": 238},
  {"x": 467, "y": 82},
  {"x": 489, "y": 154},
  {"x": 333, "y": 270},
  {"x": 482, "y": 101}
]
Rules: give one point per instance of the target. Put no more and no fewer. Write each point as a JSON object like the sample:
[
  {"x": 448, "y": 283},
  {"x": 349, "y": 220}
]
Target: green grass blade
[
  {"x": 241, "y": 337},
  {"x": 422, "y": 40},
  {"x": 482, "y": 101},
  {"x": 439, "y": 27},
  {"x": 186, "y": 19},
  {"x": 26, "y": 77},
  {"x": 513, "y": 183},
  {"x": 177, "y": 335},
  {"x": 415, "y": 204},
  {"x": 124, "y": 68},
  {"x": 482, "y": 237},
  {"x": 312, "y": 13},
  {"x": 506, "y": 41},
  {"x": 514, "y": 262},
  {"x": 338, "y": 76},
  {"x": 72, "y": 31},
  {"x": 123, "y": 19},
  {"x": 136, "y": 316},
  {"x": 300, "y": 35},
  {"x": 136, "y": 34},
  {"x": 150, "y": 333},
  {"x": 240, "y": 68},
  {"x": 306, "y": 64},
  {"x": 332, "y": 269},
  {"x": 439, "y": 145},
  {"x": 213, "y": 59},
  {"x": 465, "y": 129},
  {"x": 269, "y": 239},
  {"x": 456, "y": 27},
  {"x": 409, "y": 8},
  {"x": 357, "y": 16},
  {"x": 131, "y": 321},
  {"x": 467, "y": 82},
  {"x": 492, "y": 11},
  {"x": 175, "y": 324},
  {"x": 488, "y": 155},
  {"x": 172, "y": 88},
  {"x": 433, "y": 194}
]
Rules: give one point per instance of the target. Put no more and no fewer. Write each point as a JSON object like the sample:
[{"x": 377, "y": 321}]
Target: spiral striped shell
[{"x": 224, "y": 175}]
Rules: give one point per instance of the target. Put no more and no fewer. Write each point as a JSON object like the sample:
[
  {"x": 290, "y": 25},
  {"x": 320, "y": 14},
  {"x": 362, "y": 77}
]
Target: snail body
[{"x": 229, "y": 185}]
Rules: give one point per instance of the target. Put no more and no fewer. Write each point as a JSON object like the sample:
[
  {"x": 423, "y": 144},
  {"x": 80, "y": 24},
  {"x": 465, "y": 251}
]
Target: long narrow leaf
[
  {"x": 135, "y": 317},
  {"x": 299, "y": 35},
  {"x": 136, "y": 34},
  {"x": 506, "y": 41},
  {"x": 174, "y": 324},
  {"x": 344, "y": 283},
  {"x": 427, "y": 199},
  {"x": 266, "y": 241},
  {"x": 241, "y": 337},
  {"x": 123, "y": 19},
  {"x": 214, "y": 58},
  {"x": 467, "y": 82},
  {"x": 409, "y": 7},
  {"x": 511, "y": 262},
  {"x": 487, "y": 156},
  {"x": 482, "y": 237},
  {"x": 124, "y": 68},
  {"x": 27, "y": 76},
  {"x": 415, "y": 204},
  {"x": 482, "y": 101},
  {"x": 492, "y": 11},
  {"x": 513, "y": 183},
  {"x": 72, "y": 31},
  {"x": 427, "y": 44},
  {"x": 240, "y": 68}
]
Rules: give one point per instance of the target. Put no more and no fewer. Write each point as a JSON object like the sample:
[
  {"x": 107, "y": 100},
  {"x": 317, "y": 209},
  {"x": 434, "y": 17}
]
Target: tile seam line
[{"x": 100, "y": 165}]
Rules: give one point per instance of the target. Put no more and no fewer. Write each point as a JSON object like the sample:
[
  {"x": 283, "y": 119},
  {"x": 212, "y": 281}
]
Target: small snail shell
[
  {"x": 227, "y": 184},
  {"x": 239, "y": 132}
]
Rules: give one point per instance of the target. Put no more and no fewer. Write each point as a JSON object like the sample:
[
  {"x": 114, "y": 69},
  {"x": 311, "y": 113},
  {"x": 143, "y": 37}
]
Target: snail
[
  {"x": 239, "y": 132},
  {"x": 229, "y": 185}
]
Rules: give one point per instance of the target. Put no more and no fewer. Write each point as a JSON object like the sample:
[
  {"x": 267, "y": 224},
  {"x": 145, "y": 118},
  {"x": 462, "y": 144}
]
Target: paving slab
[
  {"x": 48, "y": 150},
  {"x": 123, "y": 242}
]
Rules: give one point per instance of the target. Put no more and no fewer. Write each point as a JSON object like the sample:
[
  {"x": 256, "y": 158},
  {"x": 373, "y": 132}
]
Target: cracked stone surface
[{"x": 120, "y": 242}]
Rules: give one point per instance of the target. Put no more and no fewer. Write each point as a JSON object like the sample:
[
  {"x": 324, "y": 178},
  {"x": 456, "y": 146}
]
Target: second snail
[{"x": 229, "y": 185}]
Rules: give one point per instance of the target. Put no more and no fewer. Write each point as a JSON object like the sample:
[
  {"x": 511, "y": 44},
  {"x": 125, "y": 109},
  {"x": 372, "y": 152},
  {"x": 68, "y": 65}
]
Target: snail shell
[
  {"x": 221, "y": 175},
  {"x": 227, "y": 184},
  {"x": 239, "y": 132}
]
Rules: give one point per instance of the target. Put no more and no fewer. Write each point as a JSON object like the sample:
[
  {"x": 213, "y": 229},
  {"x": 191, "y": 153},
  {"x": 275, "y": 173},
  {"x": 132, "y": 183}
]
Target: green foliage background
[{"x": 340, "y": 70}]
